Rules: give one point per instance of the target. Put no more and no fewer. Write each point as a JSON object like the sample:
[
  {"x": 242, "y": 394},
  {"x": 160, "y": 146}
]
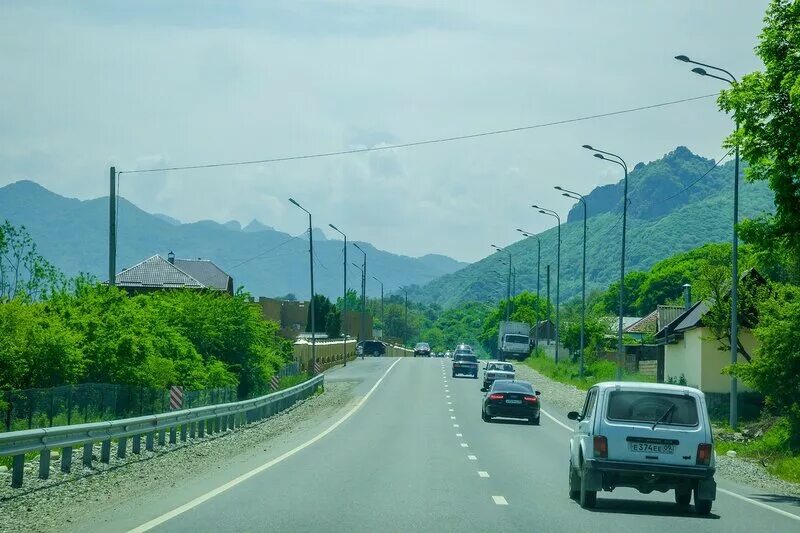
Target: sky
[{"x": 142, "y": 85}]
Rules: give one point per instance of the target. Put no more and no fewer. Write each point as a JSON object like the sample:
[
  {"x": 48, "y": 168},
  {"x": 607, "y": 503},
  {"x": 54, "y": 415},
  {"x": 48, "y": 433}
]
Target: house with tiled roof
[{"x": 157, "y": 273}]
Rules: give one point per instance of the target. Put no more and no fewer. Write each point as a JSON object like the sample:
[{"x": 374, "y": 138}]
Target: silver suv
[{"x": 646, "y": 436}]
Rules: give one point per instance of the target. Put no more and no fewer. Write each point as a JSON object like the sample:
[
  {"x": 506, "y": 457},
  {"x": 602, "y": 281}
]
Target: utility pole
[
  {"x": 548, "y": 305},
  {"x": 552, "y": 213},
  {"x": 313, "y": 369},
  {"x": 405, "y": 328},
  {"x": 383, "y": 325},
  {"x": 363, "y": 328},
  {"x": 112, "y": 228},
  {"x": 343, "y": 311},
  {"x": 538, "y": 280}
]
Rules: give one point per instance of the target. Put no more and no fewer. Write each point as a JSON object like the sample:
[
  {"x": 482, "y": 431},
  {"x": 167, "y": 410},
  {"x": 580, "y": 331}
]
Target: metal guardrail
[{"x": 196, "y": 422}]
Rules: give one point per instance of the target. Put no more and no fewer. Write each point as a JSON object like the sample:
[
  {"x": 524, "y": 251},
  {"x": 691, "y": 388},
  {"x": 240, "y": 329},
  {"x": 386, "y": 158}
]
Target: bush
[{"x": 595, "y": 371}]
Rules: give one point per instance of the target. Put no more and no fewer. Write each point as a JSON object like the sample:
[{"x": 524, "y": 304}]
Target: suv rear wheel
[
  {"x": 574, "y": 483},
  {"x": 588, "y": 497},
  {"x": 683, "y": 497},
  {"x": 702, "y": 507}
]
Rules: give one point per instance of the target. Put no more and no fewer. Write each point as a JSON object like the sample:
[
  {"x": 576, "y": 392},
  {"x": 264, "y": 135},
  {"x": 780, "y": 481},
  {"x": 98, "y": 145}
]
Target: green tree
[
  {"x": 322, "y": 308},
  {"x": 776, "y": 364},
  {"x": 526, "y": 307},
  {"x": 23, "y": 272},
  {"x": 765, "y": 106}
]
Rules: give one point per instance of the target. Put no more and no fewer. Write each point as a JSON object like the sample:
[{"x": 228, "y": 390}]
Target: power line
[{"x": 420, "y": 143}]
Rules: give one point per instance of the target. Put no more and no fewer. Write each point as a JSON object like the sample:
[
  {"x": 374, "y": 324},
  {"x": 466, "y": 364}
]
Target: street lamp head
[
  {"x": 334, "y": 227},
  {"x": 599, "y": 156},
  {"x": 295, "y": 203},
  {"x": 543, "y": 212},
  {"x": 700, "y": 71},
  {"x": 558, "y": 188},
  {"x": 683, "y": 58},
  {"x": 588, "y": 146},
  {"x": 535, "y": 206},
  {"x": 567, "y": 195}
]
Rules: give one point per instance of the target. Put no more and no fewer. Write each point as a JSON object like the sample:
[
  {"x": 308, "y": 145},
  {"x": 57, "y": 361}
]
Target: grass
[
  {"x": 290, "y": 381},
  {"x": 772, "y": 450},
  {"x": 568, "y": 372}
]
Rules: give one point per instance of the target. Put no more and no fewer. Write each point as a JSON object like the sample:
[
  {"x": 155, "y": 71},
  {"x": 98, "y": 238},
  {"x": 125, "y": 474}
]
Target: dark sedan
[
  {"x": 422, "y": 349},
  {"x": 511, "y": 399}
]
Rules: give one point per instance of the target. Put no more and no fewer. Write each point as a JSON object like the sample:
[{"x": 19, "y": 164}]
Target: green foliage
[
  {"x": 326, "y": 317},
  {"x": 775, "y": 449},
  {"x": 776, "y": 363},
  {"x": 594, "y": 335},
  {"x": 765, "y": 106},
  {"x": 595, "y": 371},
  {"x": 24, "y": 273},
  {"x": 525, "y": 307}
]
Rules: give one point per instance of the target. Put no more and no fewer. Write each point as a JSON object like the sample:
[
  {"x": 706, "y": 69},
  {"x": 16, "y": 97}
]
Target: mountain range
[
  {"x": 676, "y": 203},
  {"x": 73, "y": 235}
]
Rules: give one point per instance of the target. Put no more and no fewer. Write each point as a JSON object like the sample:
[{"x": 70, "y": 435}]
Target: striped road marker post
[
  {"x": 175, "y": 398},
  {"x": 317, "y": 368},
  {"x": 274, "y": 382}
]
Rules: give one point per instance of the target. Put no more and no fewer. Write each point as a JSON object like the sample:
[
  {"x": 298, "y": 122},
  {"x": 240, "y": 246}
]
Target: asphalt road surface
[{"x": 411, "y": 453}]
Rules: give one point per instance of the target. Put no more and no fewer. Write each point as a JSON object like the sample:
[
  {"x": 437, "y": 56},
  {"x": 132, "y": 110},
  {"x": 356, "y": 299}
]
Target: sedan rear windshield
[
  {"x": 517, "y": 339},
  {"x": 643, "y": 406},
  {"x": 466, "y": 358},
  {"x": 501, "y": 367},
  {"x": 423, "y": 346},
  {"x": 512, "y": 386},
  {"x": 373, "y": 345}
]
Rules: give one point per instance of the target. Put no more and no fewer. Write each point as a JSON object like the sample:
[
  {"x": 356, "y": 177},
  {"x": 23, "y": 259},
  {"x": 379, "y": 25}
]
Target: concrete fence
[{"x": 330, "y": 352}]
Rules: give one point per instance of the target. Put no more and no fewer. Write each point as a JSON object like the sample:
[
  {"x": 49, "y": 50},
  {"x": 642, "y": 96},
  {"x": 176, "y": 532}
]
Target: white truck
[{"x": 513, "y": 340}]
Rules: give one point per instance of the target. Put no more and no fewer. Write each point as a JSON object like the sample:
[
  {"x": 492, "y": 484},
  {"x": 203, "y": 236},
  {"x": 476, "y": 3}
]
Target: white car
[
  {"x": 647, "y": 436},
  {"x": 493, "y": 370}
]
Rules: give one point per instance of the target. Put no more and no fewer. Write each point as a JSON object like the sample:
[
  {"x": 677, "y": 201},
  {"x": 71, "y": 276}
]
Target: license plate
[
  {"x": 645, "y": 447},
  {"x": 513, "y": 401}
]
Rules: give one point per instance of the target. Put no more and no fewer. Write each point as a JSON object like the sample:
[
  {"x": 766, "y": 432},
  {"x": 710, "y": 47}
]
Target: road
[{"x": 412, "y": 454}]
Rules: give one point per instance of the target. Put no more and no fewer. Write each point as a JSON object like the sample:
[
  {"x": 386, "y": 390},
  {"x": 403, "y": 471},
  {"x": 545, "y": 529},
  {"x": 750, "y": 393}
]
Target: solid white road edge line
[
  {"x": 729, "y": 493},
  {"x": 499, "y": 500},
  {"x": 232, "y": 483}
]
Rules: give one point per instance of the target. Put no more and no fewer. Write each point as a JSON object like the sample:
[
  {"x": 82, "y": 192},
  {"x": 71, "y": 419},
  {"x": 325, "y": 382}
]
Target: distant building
[{"x": 156, "y": 273}]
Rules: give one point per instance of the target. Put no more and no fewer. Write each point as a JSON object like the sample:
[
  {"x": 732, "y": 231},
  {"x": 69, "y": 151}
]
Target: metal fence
[
  {"x": 191, "y": 423},
  {"x": 93, "y": 402}
]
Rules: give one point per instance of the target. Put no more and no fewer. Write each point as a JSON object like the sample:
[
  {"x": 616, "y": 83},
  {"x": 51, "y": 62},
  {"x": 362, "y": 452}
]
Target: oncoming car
[
  {"x": 422, "y": 349},
  {"x": 373, "y": 348},
  {"x": 648, "y": 436}
]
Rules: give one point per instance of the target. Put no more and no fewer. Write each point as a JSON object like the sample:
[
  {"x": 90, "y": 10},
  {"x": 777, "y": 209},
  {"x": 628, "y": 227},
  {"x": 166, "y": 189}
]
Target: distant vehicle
[
  {"x": 513, "y": 340},
  {"x": 464, "y": 348},
  {"x": 373, "y": 348},
  {"x": 422, "y": 349},
  {"x": 448, "y": 353},
  {"x": 511, "y": 399},
  {"x": 494, "y": 370},
  {"x": 648, "y": 436},
  {"x": 465, "y": 364}
]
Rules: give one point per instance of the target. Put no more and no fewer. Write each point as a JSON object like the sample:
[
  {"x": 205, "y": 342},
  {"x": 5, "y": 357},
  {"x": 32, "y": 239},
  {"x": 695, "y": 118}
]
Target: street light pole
[
  {"x": 343, "y": 311},
  {"x": 383, "y": 326},
  {"x": 538, "y": 279},
  {"x": 112, "y": 229},
  {"x": 582, "y": 200},
  {"x": 508, "y": 284},
  {"x": 552, "y": 213},
  {"x": 600, "y": 154},
  {"x": 313, "y": 369},
  {"x": 734, "y": 404},
  {"x": 405, "y": 326},
  {"x": 363, "y": 328}
]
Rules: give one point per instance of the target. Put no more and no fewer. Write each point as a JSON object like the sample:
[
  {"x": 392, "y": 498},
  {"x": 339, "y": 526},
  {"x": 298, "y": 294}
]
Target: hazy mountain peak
[{"x": 255, "y": 225}]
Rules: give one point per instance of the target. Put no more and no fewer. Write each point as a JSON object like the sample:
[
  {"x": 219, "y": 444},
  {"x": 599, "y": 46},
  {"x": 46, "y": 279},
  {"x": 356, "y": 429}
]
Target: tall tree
[{"x": 765, "y": 104}]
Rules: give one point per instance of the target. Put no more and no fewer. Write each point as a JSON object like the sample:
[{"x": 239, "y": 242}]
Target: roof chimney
[
  {"x": 687, "y": 296},
  {"x": 171, "y": 258}
]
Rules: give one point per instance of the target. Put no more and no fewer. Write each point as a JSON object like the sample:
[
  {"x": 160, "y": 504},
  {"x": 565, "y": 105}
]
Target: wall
[
  {"x": 683, "y": 358},
  {"x": 329, "y": 353},
  {"x": 714, "y": 360},
  {"x": 352, "y": 324}
]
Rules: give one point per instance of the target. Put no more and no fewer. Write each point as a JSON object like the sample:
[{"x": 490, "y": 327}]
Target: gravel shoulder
[
  {"x": 739, "y": 470},
  {"x": 76, "y": 501}
]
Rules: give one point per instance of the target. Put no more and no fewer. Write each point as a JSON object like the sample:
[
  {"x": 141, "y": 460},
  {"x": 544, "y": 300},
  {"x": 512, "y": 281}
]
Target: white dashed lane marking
[
  {"x": 452, "y": 418},
  {"x": 481, "y": 473},
  {"x": 464, "y": 445},
  {"x": 455, "y": 425},
  {"x": 499, "y": 500},
  {"x": 472, "y": 458},
  {"x": 459, "y": 435}
]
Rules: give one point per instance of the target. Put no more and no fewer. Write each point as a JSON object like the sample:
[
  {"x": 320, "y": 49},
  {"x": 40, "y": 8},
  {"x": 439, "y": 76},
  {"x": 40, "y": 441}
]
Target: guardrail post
[
  {"x": 201, "y": 429},
  {"x": 17, "y": 470},
  {"x": 148, "y": 442},
  {"x": 88, "y": 448},
  {"x": 183, "y": 433},
  {"x": 192, "y": 429},
  {"x": 162, "y": 437},
  {"x": 122, "y": 447},
  {"x": 172, "y": 438},
  {"x": 66, "y": 459},
  {"x": 44, "y": 464},
  {"x": 105, "y": 451},
  {"x": 136, "y": 444}
]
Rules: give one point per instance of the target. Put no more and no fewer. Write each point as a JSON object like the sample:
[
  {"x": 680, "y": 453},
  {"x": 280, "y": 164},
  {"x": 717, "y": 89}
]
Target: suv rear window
[
  {"x": 643, "y": 406},
  {"x": 374, "y": 346},
  {"x": 466, "y": 357}
]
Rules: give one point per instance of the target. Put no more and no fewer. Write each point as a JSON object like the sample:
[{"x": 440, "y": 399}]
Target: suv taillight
[
  {"x": 600, "y": 446},
  {"x": 704, "y": 454},
  {"x": 496, "y": 396}
]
